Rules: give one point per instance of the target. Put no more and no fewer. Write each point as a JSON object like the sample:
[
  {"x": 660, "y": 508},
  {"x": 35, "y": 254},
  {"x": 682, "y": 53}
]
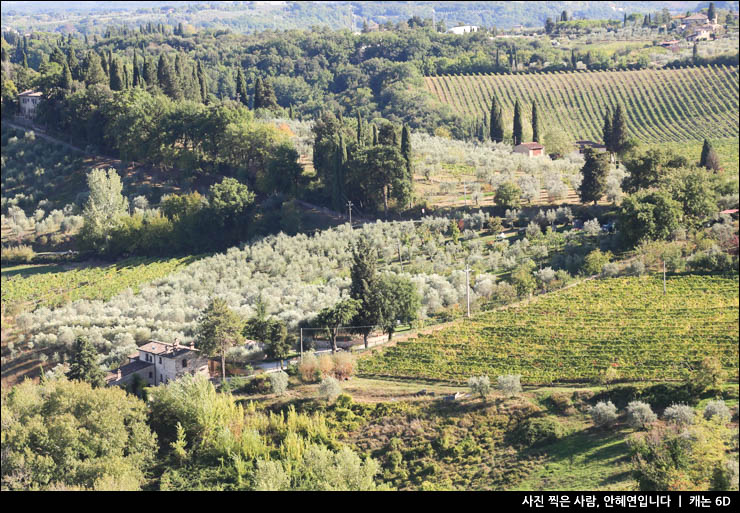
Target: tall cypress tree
[
  {"x": 74, "y": 65},
  {"x": 202, "y": 82},
  {"x": 606, "y": 131},
  {"x": 340, "y": 159},
  {"x": 241, "y": 87},
  {"x": 150, "y": 72},
  {"x": 364, "y": 287},
  {"x": 375, "y": 135},
  {"x": 360, "y": 141},
  {"x": 595, "y": 172},
  {"x": 705, "y": 150},
  {"x": 137, "y": 74},
  {"x": 66, "y": 82},
  {"x": 406, "y": 149},
  {"x": 535, "y": 124},
  {"x": 258, "y": 93},
  {"x": 25, "y": 61},
  {"x": 269, "y": 101},
  {"x": 94, "y": 73},
  {"x": 167, "y": 80},
  {"x": 517, "y": 131},
  {"x": 497, "y": 122},
  {"x": 619, "y": 131}
]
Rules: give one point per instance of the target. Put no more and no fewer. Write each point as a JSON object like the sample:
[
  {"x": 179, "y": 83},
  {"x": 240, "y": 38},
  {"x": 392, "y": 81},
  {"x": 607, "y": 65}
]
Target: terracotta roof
[
  {"x": 161, "y": 348},
  {"x": 532, "y": 145},
  {"x": 697, "y": 16},
  {"x": 729, "y": 211}
]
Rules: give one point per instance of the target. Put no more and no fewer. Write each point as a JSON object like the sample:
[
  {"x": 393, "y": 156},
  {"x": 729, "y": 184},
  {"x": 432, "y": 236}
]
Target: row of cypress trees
[{"x": 496, "y": 125}]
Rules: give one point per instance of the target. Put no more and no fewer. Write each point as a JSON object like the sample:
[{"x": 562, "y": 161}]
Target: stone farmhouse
[
  {"x": 531, "y": 149},
  {"x": 28, "y": 101},
  {"x": 159, "y": 362}
]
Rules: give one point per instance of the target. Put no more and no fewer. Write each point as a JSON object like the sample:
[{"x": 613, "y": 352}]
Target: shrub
[
  {"x": 260, "y": 384},
  {"x": 560, "y": 402},
  {"x": 640, "y": 415},
  {"x": 326, "y": 365},
  {"x": 709, "y": 375},
  {"x": 636, "y": 268},
  {"x": 539, "y": 430},
  {"x": 604, "y": 413},
  {"x": 717, "y": 409},
  {"x": 329, "y": 388},
  {"x": 681, "y": 414},
  {"x": 309, "y": 369},
  {"x": 279, "y": 382},
  {"x": 344, "y": 365},
  {"x": 479, "y": 385},
  {"x": 18, "y": 254},
  {"x": 610, "y": 270},
  {"x": 510, "y": 384}
]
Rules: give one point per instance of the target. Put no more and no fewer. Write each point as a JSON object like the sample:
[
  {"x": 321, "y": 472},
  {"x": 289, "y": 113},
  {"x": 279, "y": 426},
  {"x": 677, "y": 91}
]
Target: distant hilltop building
[
  {"x": 159, "y": 362},
  {"x": 463, "y": 29},
  {"x": 28, "y": 100}
]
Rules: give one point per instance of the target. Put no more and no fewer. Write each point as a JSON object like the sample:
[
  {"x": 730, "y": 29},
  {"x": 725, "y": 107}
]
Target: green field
[
  {"x": 575, "y": 334},
  {"x": 661, "y": 104},
  {"x": 55, "y": 285}
]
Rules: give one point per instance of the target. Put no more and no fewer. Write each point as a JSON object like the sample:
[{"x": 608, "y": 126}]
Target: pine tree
[
  {"x": 595, "y": 172},
  {"x": 84, "y": 364},
  {"x": 535, "y": 124},
  {"x": 219, "y": 328},
  {"x": 619, "y": 131},
  {"x": 517, "y": 129}
]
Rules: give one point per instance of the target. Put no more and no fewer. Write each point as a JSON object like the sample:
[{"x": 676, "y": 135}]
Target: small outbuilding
[
  {"x": 531, "y": 149},
  {"x": 28, "y": 101}
]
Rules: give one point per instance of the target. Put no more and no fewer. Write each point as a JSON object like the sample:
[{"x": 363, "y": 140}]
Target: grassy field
[
  {"x": 55, "y": 285},
  {"x": 661, "y": 104},
  {"x": 575, "y": 334}
]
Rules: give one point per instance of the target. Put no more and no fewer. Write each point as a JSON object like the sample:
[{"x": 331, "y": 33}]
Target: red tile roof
[{"x": 533, "y": 145}]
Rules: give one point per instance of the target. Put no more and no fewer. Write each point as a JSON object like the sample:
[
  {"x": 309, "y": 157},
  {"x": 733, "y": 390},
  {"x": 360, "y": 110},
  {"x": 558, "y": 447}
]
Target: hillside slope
[{"x": 661, "y": 104}]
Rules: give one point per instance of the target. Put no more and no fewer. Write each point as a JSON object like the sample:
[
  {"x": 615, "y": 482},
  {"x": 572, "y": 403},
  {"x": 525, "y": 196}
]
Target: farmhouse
[
  {"x": 159, "y": 362},
  {"x": 463, "y": 29},
  {"x": 531, "y": 149},
  {"x": 28, "y": 100},
  {"x": 695, "y": 19}
]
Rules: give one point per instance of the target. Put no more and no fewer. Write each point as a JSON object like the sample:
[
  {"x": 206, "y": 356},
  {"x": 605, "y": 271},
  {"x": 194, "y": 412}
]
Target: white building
[
  {"x": 28, "y": 101},
  {"x": 158, "y": 362},
  {"x": 463, "y": 30}
]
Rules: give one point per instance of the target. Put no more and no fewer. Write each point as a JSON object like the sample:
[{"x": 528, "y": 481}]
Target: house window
[
  {"x": 160, "y": 359},
  {"x": 184, "y": 363}
]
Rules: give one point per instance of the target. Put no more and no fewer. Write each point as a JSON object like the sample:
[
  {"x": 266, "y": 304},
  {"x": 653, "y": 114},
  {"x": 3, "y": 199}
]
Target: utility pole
[
  {"x": 349, "y": 207},
  {"x": 467, "y": 287},
  {"x": 301, "y": 344}
]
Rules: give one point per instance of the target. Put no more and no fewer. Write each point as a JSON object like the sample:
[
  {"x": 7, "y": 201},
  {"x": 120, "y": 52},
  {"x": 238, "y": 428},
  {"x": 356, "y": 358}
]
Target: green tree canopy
[{"x": 219, "y": 328}]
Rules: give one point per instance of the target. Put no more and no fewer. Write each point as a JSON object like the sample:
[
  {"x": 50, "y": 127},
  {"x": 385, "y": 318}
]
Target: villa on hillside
[
  {"x": 159, "y": 362},
  {"x": 463, "y": 30},
  {"x": 531, "y": 149},
  {"x": 28, "y": 101}
]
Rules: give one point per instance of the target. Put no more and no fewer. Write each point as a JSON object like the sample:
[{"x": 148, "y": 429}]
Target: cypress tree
[
  {"x": 695, "y": 53},
  {"x": 94, "y": 73},
  {"x": 269, "y": 101},
  {"x": 258, "y": 93},
  {"x": 406, "y": 149},
  {"x": 573, "y": 58},
  {"x": 84, "y": 364},
  {"x": 711, "y": 13},
  {"x": 517, "y": 132},
  {"x": 564, "y": 16},
  {"x": 497, "y": 122},
  {"x": 116, "y": 78},
  {"x": 167, "y": 80},
  {"x": 704, "y": 152},
  {"x": 202, "y": 83},
  {"x": 364, "y": 287},
  {"x": 137, "y": 75},
  {"x": 595, "y": 171},
  {"x": 66, "y": 78},
  {"x": 535, "y": 124},
  {"x": 619, "y": 131},
  {"x": 25, "y": 61},
  {"x": 340, "y": 159},
  {"x": 291, "y": 114},
  {"x": 150, "y": 72},
  {"x": 359, "y": 128},
  {"x": 375, "y": 135},
  {"x": 607, "y": 130}
]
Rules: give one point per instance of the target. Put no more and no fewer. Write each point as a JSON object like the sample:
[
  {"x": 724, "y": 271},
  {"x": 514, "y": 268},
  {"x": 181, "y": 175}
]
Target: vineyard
[
  {"x": 574, "y": 335},
  {"x": 53, "y": 289},
  {"x": 661, "y": 104}
]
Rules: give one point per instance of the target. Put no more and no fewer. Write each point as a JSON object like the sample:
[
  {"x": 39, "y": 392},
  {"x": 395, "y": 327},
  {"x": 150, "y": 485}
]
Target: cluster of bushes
[{"x": 340, "y": 365}]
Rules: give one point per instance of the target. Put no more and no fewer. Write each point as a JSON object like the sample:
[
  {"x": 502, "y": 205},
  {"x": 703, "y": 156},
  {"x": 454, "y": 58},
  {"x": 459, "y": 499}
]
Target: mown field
[
  {"x": 575, "y": 334},
  {"x": 30, "y": 286},
  {"x": 661, "y": 104}
]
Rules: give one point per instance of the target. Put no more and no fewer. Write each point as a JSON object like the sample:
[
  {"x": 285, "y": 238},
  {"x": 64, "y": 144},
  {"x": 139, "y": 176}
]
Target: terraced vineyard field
[
  {"x": 573, "y": 335},
  {"x": 661, "y": 104},
  {"x": 52, "y": 286}
]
